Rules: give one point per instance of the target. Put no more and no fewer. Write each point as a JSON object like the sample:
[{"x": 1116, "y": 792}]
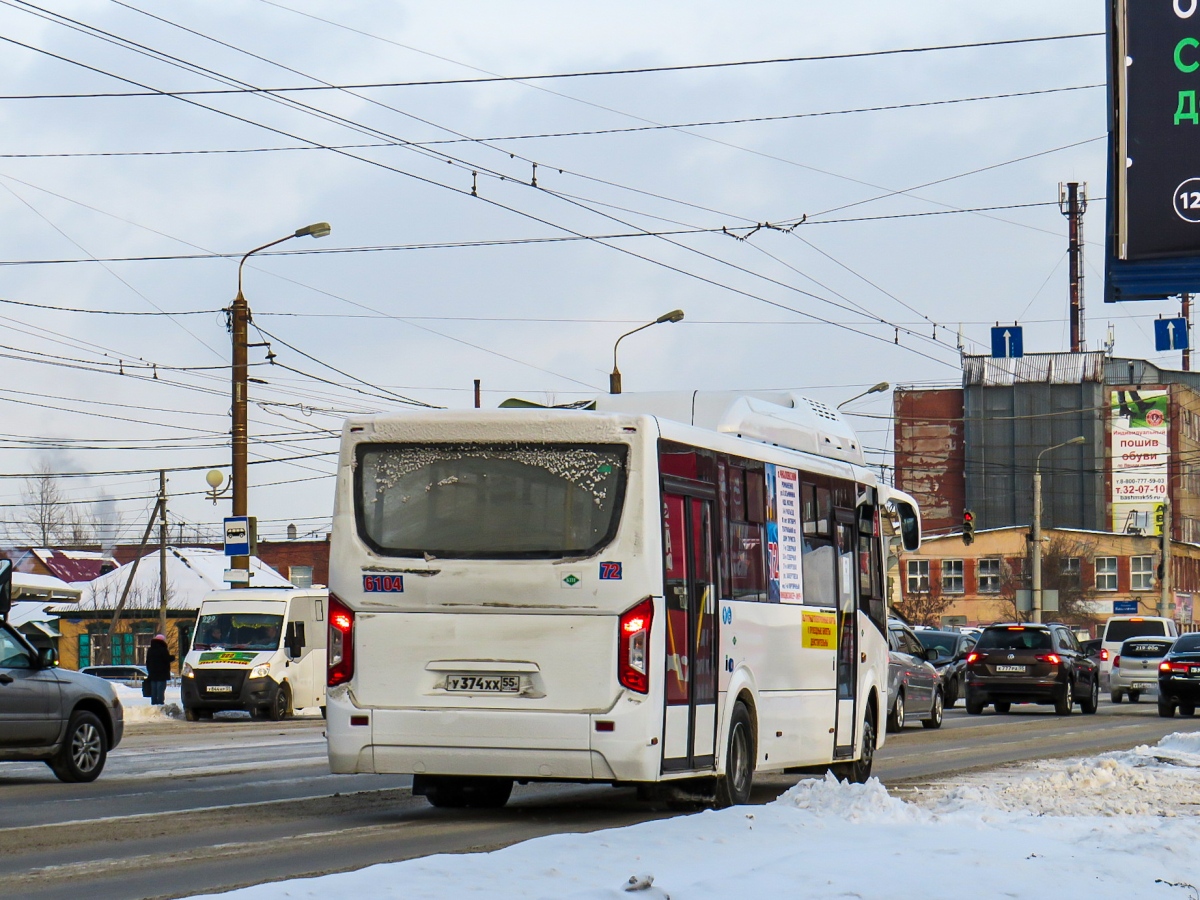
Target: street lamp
[
  {"x": 614, "y": 379},
  {"x": 1037, "y": 525},
  {"x": 239, "y": 326},
  {"x": 878, "y": 389}
]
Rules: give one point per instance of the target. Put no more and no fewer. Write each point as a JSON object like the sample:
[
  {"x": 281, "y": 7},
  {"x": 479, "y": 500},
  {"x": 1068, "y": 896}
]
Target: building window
[
  {"x": 1106, "y": 573},
  {"x": 989, "y": 576},
  {"x": 918, "y": 576},
  {"x": 1069, "y": 570},
  {"x": 952, "y": 576},
  {"x": 300, "y": 576},
  {"x": 1141, "y": 571}
]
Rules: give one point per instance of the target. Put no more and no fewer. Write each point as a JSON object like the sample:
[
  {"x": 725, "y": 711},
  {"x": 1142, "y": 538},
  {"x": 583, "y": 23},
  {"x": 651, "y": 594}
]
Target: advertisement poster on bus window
[
  {"x": 785, "y": 577},
  {"x": 1140, "y": 451}
]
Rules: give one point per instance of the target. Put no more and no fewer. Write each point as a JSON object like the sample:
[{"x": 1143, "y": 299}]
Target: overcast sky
[{"x": 486, "y": 286}]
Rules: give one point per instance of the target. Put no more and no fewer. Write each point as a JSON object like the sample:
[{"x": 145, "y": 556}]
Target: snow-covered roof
[
  {"x": 43, "y": 587},
  {"x": 192, "y": 572},
  {"x": 25, "y": 611}
]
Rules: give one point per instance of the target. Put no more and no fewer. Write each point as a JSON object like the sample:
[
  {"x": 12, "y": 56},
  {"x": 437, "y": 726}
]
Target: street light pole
[
  {"x": 1037, "y": 526},
  {"x": 239, "y": 327},
  {"x": 878, "y": 389},
  {"x": 614, "y": 378}
]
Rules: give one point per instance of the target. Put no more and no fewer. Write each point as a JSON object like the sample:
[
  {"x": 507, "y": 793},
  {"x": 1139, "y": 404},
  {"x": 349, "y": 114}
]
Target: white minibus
[{"x": 671, "y": 591}]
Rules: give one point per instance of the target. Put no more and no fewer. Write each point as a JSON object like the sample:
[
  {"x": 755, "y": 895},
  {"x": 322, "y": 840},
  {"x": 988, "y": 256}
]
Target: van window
[{"x": 1117, "y": 632}]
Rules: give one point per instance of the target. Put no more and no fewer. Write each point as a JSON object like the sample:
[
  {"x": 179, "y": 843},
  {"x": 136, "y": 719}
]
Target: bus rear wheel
[
  {"x": 733, "y": 788},
  {"x": 449, "y": 792}
]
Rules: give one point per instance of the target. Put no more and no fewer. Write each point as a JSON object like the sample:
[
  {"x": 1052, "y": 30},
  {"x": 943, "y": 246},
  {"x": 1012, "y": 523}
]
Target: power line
[{"x": 595, "y": 73}]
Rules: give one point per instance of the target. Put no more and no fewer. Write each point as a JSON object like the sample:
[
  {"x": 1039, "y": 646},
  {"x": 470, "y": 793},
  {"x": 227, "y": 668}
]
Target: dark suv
[{"x": 1025, "y": 663}]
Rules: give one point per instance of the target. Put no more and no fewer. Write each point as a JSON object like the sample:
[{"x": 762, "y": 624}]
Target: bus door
[
  {"x": 847, "y": 645},
  {"x": 689, "y": 568}
]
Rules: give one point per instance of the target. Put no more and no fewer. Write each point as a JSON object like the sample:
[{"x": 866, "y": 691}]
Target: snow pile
[
  {"x": 138, "y": 708},
  {"x": 993, "y": 837}
]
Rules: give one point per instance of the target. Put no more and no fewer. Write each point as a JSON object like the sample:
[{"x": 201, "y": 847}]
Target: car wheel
[
  {"x": 952, "y": 691},
  {"x": 935, "y": 714},
  {"x": 1003, "y": 706},
  {"x": 1188, "y": 709},
  {"x": 1064, "y": 705},
  {"x": 1092, "y": 703},
  {"x": 1116, "y": 696},
  {"x": 83, "y": 753},
  {"x": 191, "y": 714},
  {"x": 1135, "y": 696},
  {"x": 1166, "y": 710},
  {"x": 860, "y": 770},
  {"x": 281, "y": 704},
  {"x": 447, "y": 792},
  {"x": 974, "y": 705},
  {"x": 733, "y": 788},
  {"x": 895, "y": 720}
]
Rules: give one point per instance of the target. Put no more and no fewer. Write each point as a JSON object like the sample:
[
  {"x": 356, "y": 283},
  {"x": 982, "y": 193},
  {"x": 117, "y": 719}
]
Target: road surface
[{"x": 207, "y": 806}]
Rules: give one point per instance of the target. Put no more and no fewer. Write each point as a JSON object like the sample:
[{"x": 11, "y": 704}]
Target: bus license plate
[
  {"x": 1010, "y": 668},
  {"x": 484, "y": 684},
  {"x": 219, "y": 689}
]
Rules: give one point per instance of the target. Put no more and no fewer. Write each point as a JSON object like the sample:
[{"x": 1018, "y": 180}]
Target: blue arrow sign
[
  {"x": 1170, "y": 334},
  {"x": 1007, "y": 342}
]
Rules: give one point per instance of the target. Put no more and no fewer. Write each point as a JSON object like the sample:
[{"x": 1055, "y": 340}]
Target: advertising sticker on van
[{"x": 228, "y": 657}]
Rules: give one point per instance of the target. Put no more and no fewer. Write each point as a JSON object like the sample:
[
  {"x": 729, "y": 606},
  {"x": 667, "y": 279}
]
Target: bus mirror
[
  {"x": 5, "y": 587},
  {"x": 293, "y": 639},
  {"x": 910, "y": 526}
]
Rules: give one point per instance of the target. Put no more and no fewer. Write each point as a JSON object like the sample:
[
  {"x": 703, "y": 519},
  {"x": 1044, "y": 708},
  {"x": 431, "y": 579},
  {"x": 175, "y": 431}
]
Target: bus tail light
[
  {"x": 341, "y": 642},
  {"x": 633, "y": 647}
]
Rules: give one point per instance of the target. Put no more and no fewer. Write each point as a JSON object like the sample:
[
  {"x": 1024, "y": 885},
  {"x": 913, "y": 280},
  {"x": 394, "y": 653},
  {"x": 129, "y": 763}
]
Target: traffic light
[{"x": 968, "y": 527}]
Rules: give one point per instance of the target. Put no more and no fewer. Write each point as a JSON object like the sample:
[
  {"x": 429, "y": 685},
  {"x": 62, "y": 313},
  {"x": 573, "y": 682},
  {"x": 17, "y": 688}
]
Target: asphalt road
[{"x": 189, "y": 808}]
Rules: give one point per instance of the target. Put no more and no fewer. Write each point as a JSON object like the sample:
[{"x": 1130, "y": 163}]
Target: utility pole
[
  {"x": 1164, "y": 582},
  {"x": 1186, "y": 312},
  {"x": 162, "y": 551},
  {"x": 478, "y": 398},
  {"x": 1073, "y": 205},
  {"x": 239, "y": 327},
  {"x": 1036, "y": 549}
]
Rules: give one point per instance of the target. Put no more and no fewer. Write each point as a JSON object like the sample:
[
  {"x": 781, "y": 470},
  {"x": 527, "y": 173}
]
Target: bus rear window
[{"x": 489, "y": 501}]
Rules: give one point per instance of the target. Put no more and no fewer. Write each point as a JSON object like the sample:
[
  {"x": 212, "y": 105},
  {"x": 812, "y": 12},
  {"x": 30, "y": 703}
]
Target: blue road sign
[
  {"x": 1125, "y": 607},
  {"x": 1007, "y": 342},
  {"x": 237, "y": 536},
  {"x": 1170, "y": 334}
]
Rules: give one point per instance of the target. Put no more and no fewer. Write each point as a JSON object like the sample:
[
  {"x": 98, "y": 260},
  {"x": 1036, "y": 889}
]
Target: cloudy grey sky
[{"x": 917, "y": 220}]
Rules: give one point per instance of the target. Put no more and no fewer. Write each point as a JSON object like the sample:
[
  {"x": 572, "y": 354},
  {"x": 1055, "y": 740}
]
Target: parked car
[
  {"x": 1119, "y": 629},
  {"x": 130, "y": 675},
  {"x": 1030, "y": 663},
  {"x": 66, "y": 719},
  {"x": 951, "y": 662},
  {"x": 914, "y": 685},
  {"x": 1179, "y": 677},
  {"x": 1135, "y": 668}
]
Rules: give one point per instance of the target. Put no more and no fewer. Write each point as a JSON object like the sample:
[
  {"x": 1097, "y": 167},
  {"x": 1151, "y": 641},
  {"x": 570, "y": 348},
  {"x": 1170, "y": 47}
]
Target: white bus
[{"x": 670, "y": 591}]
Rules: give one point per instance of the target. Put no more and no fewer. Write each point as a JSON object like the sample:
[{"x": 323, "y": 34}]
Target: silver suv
[{"x": 65, "y": 719}]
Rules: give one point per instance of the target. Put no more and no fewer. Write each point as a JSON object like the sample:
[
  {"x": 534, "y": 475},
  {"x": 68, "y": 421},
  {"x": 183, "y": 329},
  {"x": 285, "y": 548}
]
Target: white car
[
  {"x": 1119, "y": 629},
  {"x": 1135, "y": 668}
]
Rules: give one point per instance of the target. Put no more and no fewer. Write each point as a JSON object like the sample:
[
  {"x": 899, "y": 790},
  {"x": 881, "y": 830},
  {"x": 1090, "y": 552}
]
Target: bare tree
[
  {"x": 924, "y": 607},
  {"x": 49, "y": 519},
  {"x": 1060, "y": 572}
]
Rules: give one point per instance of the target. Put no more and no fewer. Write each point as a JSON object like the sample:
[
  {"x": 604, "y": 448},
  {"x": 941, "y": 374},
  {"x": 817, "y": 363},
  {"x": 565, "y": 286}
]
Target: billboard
[
  {"x": 1153, "y": 232},
  {"x": 1140, "y": 444}
]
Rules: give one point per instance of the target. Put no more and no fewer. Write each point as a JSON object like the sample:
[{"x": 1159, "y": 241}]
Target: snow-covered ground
[
  {"x": 1118, "y": 825},
  {"x": 138, "y": 708}
]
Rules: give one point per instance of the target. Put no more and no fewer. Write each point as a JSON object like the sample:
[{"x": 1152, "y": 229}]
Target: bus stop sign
[{"x": 237, "y": 536}]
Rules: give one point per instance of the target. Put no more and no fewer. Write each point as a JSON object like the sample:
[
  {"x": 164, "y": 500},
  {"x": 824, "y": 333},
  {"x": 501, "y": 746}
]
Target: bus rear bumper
[{"x": 511, "y": 744}]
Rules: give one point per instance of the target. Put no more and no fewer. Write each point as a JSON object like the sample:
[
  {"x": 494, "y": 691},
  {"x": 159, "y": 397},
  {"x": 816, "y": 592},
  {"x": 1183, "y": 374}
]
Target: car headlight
[
  {"x": 263, "y": 671},
  {"x": 188, "y": 671}
]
